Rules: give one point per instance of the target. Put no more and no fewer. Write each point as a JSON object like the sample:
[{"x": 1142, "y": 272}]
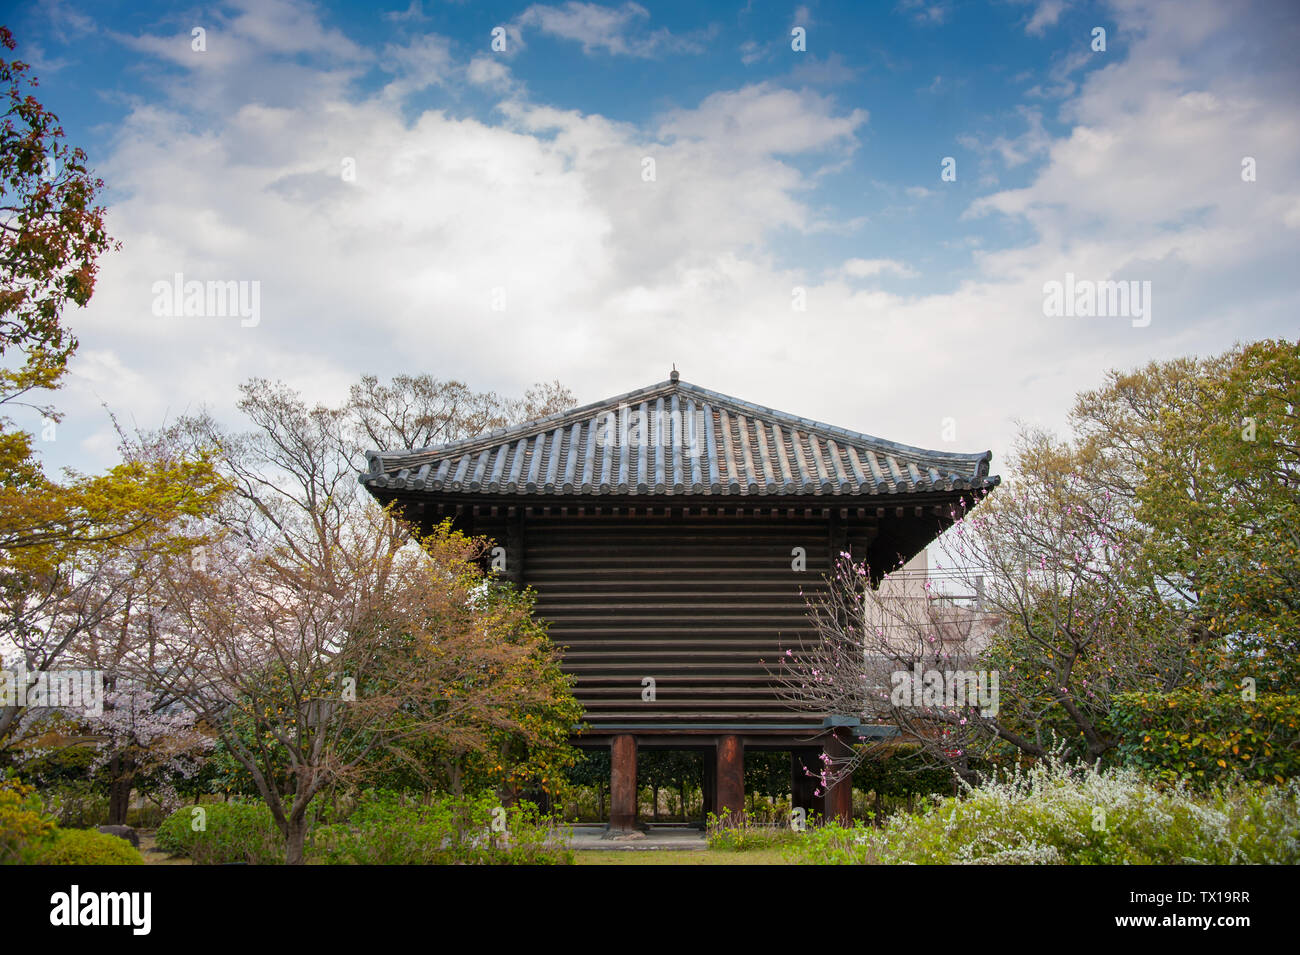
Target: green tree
[
  {"x": 51, "y": 235},
  {"x": 1155, "y": 550},
  {"x": 1223, "y": 506},
  {"x": 63, "y": 543}
]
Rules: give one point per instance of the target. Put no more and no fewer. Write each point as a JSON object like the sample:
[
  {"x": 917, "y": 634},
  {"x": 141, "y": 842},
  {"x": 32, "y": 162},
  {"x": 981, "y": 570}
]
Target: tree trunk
[
  {"x": 295, "y": 840},
  {"x": 122, "y": 778}
]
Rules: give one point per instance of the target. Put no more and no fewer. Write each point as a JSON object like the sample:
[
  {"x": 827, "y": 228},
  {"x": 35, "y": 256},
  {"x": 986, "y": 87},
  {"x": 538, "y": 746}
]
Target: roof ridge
[
  {"x": 811, "y": 424},
  {"x": 521, "y": 430}
]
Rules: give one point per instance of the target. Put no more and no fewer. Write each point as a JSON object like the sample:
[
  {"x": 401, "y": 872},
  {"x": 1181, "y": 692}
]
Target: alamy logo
[
  {"x": 1088, "y": 299},
  {"x": 642, "y": 428},
  {"x": 75, "y": 907},
  {"x": 952, "y": 688},
  {"x": 179, "y": 298},
  {"x": 57, "y": 689}
]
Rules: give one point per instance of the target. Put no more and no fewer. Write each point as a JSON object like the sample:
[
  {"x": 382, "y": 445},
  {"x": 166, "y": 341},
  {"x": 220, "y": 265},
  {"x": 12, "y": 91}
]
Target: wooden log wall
[{"x": 677, "y": 622}]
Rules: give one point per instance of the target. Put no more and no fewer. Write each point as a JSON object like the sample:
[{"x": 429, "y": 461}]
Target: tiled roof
[{"x": 675, "y": 438}]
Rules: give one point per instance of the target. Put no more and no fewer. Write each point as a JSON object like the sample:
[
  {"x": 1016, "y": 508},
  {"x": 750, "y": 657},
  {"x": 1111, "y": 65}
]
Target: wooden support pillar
[
  {"x": 709, "y": 787},
  {"x": 803, "y": 787},
  {"x": 839, "y": 798},
  {"x": 731, "y": 775},
  {"x": 622, "y": 784}
]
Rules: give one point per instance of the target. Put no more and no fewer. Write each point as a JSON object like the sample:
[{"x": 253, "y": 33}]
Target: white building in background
[{"x": 945, "y": 609}]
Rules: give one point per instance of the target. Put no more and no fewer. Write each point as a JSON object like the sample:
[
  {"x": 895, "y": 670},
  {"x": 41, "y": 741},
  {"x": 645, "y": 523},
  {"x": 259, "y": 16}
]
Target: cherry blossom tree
[
  {"x": 315, "y": 633},
  {"x": 1063, "y": 623}
]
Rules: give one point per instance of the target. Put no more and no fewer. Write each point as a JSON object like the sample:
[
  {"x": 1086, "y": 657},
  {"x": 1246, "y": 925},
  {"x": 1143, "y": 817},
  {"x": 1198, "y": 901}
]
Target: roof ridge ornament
[{"x": 674, "y": 376}]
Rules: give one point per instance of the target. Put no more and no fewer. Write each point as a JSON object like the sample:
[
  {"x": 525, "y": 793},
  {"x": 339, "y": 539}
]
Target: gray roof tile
[{"x": 675, "y": 438}]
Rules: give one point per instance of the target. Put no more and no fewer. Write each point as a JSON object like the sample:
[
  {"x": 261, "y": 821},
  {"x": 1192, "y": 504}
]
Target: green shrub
[
  {"x": 76, "y": 805},
  {"x": 388, "y": 829},
  {"x": 1060, "y": 814},
  {"x": 1208, "y": 738},
  {"x": 223, "y": 833},
  {"x": 382, "y": 829},
  {"x": 762, "y": 830},
  {"x": 23, "y": 822},
  {"x": 85, "y": 847}
]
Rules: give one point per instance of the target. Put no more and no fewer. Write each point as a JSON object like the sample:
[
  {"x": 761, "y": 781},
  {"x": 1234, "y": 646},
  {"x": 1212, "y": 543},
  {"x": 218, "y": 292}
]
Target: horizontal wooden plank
[{"x": 705, "y": 609}]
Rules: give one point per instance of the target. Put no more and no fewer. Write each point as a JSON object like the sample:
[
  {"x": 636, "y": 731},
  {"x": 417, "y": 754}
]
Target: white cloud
[
  {"x": 396, "y": 270},
  {"x": 869, "y": 268},
  {"x": 259, "y": 27},
  {"x": 751, "y": 52},
  {"x": 1015, "y": 151},
  {"x": 762, "y": 120},
  {"x": 414, "y": 12},
  {"x": 423, "y": 62},
  {"x": 486, "y": 71},
  {"x": 614, "y": 30},
  {"x": 609, "y": 278},
  {"x": 1045, "y": 14},
  {"x": 65, "y": 23},
  {"x": 925, "y": 12}
]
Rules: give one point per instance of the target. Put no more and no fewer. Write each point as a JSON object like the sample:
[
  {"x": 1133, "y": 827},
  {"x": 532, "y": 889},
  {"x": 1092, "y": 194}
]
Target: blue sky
[{"x": 516, "y": 176}]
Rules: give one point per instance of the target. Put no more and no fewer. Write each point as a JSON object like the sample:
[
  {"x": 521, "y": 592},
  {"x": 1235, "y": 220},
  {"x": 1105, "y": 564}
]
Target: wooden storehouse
[{"x": 670, "y": 534}]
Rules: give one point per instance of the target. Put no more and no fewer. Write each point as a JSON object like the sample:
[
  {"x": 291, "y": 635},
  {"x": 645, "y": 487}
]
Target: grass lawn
[
  {"x": 155, "y": 856},
  {"x": 676, "y": 857}
]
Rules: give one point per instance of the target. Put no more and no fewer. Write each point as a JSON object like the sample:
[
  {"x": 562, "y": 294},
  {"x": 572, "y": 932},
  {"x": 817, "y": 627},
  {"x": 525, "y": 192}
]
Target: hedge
[{"x": 1189, "y": 734}]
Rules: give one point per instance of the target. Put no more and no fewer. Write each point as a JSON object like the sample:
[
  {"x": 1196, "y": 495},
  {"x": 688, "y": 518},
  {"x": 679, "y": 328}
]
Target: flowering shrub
[
  {"x": 228, "y": 833},
  {"x": 1058, "y": 814}
]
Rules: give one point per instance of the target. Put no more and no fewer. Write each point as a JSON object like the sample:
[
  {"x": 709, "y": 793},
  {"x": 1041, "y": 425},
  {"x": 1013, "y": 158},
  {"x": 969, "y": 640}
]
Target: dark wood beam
[
  {"x": 622, "y": 784},
  {"x": 731, "y": 775}
]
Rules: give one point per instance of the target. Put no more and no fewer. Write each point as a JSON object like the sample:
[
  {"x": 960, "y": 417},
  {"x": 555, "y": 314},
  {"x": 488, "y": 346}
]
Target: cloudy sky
[{"x": 623, "y": 187}]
